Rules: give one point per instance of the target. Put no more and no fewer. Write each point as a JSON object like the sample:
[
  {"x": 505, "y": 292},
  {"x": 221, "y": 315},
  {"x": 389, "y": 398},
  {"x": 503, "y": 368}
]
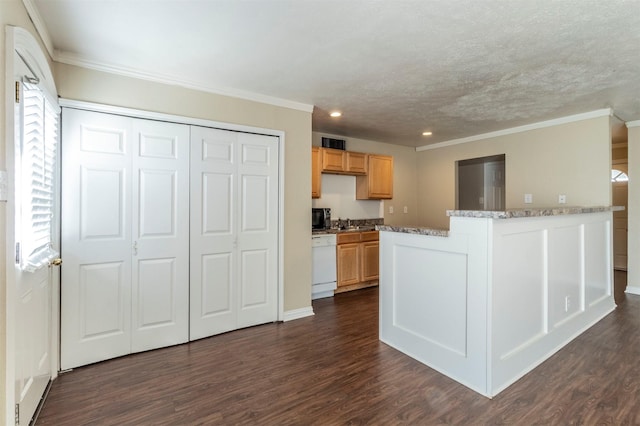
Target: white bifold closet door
[
  {"x": 125, "y": 236},
  {"x": 234, "y": 230}
]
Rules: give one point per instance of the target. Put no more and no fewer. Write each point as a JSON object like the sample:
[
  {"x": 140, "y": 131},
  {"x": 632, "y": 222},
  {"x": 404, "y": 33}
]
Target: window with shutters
[{"x": 39, "y": 154}]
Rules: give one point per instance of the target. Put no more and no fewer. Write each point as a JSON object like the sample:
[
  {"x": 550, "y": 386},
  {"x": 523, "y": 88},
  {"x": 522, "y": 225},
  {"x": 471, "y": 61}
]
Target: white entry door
[
  {"x": 35, "y": 215},
  {"x": 125, "y": 232},
  {"x": 234, "y": 230}
]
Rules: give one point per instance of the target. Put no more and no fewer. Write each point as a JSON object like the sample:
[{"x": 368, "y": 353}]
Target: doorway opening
[
  {"x": 480, "y": 183},
  {"x": 619, "y": 197}
]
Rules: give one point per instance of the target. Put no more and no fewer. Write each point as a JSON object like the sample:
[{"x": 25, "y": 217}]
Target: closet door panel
[
  {"x": 217, "y": 204},
  {"x": 158, "y": 205},
  {"x": 234, "y": 230},
  {"x": 254, "y": 281},
  {"x": 216, "y": 295},
  {"x": 258, "y": 230},
  {"x": 213, "y": 238},
  {"x": 160, "y": 296},
  {"x": 157, "y": 282},
  {"x": 96, "y": 237}
]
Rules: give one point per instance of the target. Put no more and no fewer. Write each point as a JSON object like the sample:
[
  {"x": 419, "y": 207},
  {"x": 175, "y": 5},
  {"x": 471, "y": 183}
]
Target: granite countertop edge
[
  {"x": 343, "y": 231},
  {"x": 532, "y": 212},
  {"x": 414, "y": 230}
]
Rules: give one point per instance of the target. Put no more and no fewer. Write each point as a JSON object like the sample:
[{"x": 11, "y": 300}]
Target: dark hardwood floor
[{"x": 331, "y": 369}]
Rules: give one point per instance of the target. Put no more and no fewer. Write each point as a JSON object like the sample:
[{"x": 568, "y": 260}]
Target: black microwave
[{"x": 321, "y": 218}]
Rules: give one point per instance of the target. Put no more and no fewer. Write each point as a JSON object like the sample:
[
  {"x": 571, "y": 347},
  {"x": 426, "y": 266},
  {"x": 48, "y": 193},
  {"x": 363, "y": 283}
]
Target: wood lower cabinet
[
  {"x": 358, "y": 260},
  {"x": 348, "y": 264},
  {"x": 316, "y": 169},
  {"x": 369, "y": 264}
]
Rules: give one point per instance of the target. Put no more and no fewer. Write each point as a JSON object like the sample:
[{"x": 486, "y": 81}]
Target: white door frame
[
  {"x": 89, "y": 106},
  {"x": 21, "y": 41}
]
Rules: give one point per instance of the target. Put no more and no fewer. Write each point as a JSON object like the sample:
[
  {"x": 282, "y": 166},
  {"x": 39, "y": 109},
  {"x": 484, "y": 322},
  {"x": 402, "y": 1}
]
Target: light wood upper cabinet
[
  {"x": 343, "y": 162},
  {"x": 356, "y": 163},
  {"x": 333, "y": 160},
  {"x": 374, "y": 173},
  {"x": 316, "y": 168},
  {"x": 378, "y": 183}
]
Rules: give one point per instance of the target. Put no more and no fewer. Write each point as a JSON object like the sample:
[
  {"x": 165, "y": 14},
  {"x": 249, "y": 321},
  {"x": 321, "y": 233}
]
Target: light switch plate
[
  {"x": 562, "y": 199},
  {"x": 4, "y": 185}
]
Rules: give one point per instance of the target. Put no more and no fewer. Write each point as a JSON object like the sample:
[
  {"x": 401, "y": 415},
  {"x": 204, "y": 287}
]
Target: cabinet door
[
  {"x": 316, "y": 166},
  {"x": 333, "y": 160},
  {"x": 378, "y": 183},
  {"x": 370, "y": 260},
  {"x": 348, "y": 264},
  {"x": 356, "y": 163}
]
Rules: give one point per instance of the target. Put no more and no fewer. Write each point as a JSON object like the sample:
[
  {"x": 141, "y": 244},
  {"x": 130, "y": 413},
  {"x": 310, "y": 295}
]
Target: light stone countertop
[
  {"x": 414, "y": 230},
  {"x": 532, "y": 212},
  {"x": 508, "y": 214}
]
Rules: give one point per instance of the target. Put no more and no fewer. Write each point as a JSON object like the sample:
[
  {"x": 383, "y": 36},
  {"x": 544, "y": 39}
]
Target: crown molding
[
  {"x": 71, "y": 59},
  {"x": 541, "y": 125},
  {"x": 631, "y": 124},
  {"x": 38, "y": 23},
  {"x": 77, "y": 60},
  {"x": 169, "y": 118}
]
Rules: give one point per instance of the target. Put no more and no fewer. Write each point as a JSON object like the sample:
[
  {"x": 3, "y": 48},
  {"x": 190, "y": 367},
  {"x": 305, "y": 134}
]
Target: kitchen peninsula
[{"x": 498, "y": 293}]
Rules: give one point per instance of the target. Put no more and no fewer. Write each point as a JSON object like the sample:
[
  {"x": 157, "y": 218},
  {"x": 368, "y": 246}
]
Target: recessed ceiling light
[
  {"x": 336, "y": 114},
  {"x": 426, "y": 133}
]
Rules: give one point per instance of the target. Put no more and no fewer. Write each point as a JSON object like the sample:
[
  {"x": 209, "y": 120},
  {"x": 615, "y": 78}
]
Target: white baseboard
[
  {"x": 298, "y": 313},
  {"x": 633, "y": 290}
]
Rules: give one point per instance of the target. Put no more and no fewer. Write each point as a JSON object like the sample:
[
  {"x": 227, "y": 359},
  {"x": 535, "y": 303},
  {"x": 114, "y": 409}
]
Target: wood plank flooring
[{"x": 331, "y": 369}]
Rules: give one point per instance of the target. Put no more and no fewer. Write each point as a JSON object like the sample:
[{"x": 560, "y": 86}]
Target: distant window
[{"x": 619, "y": 176}]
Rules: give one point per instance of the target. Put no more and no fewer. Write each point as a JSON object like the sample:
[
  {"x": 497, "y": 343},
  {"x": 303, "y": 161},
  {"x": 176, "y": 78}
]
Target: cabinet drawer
[
  {"x": 369, "y": 236},
  {"x": 349, "y": 237}
]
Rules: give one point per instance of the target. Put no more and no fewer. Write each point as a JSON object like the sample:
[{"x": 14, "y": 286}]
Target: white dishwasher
[{"x": 324, "y": 265}]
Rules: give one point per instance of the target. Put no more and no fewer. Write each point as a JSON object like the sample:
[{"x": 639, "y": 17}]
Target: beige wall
[
  {"x": 404, "y": 176},
  {"x": 93, "y": 86},
  {"x": 572, "y": 159},
  {"x": 12, "y": 13},
  {"x": 633, "y": 241},
  {"x": 619, "y": 153}
]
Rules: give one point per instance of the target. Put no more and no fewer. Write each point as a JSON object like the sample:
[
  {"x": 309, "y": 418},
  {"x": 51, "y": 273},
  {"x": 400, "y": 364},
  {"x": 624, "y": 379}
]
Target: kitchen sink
[{"x": 358, "y": 228}]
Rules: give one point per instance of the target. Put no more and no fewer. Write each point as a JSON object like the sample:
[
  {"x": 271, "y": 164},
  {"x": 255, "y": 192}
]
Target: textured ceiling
[{"x": 457, "y": 68}]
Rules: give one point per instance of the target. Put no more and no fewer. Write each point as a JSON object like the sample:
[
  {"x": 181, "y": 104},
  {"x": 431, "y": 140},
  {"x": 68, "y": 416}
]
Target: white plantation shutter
[{"x": 39, "y": 163}]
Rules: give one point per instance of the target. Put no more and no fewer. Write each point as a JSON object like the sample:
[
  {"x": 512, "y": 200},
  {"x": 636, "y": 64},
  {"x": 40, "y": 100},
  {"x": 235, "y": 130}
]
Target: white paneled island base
[{"x": 498, "y": 294}]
